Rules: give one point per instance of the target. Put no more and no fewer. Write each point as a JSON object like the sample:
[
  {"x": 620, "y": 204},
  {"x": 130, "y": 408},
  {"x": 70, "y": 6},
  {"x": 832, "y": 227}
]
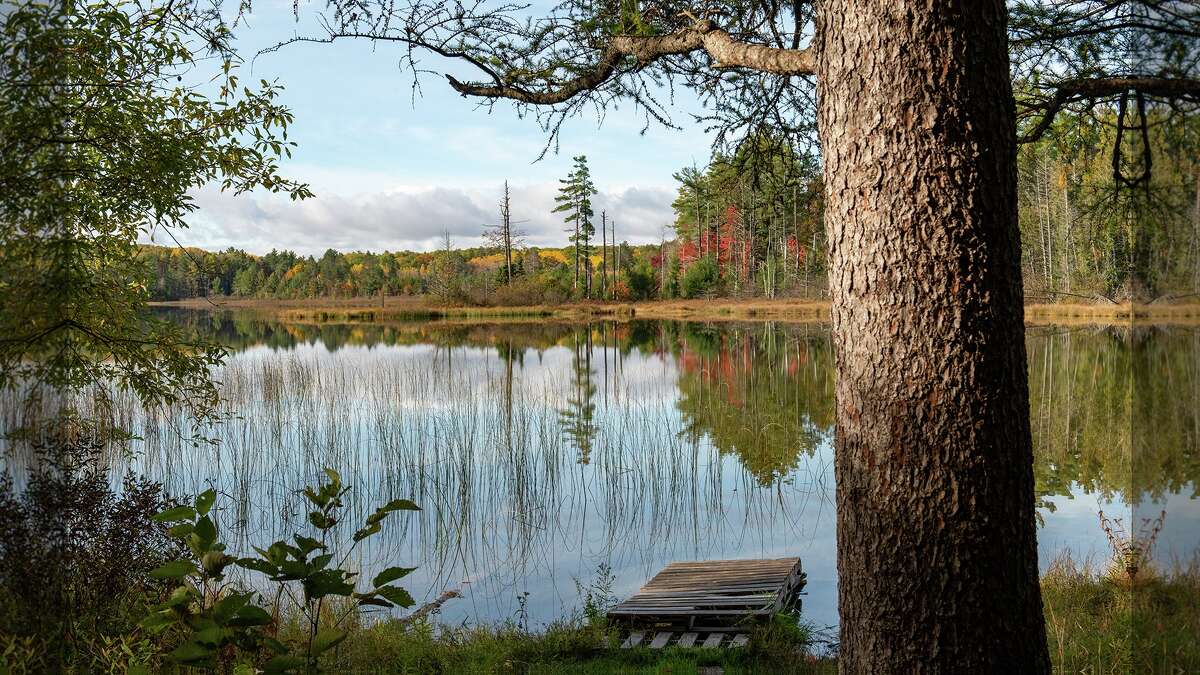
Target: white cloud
[{"x": 380, "y": 216}]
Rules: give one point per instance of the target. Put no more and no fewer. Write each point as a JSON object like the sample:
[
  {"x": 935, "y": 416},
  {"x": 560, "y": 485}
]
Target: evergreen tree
[{"x": 575, "y": 200}]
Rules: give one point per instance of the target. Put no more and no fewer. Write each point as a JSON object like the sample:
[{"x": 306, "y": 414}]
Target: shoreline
[{"x": 791, "y": 310}]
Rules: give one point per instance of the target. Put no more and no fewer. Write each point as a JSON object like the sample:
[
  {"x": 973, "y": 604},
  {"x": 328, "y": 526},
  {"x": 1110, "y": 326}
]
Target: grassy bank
[
  {"x": 1104, "y": 622},
  {"x": 1098, "y": 622},
  {"x": 790, "y": 309}
]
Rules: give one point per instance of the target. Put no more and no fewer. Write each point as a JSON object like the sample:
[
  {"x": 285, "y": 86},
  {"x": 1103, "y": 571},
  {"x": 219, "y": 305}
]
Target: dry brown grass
[{"x": 730, "y": 309}]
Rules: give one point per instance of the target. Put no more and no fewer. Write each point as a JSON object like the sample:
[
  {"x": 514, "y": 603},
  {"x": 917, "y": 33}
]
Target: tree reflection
[{"x": 761, "y": 392}]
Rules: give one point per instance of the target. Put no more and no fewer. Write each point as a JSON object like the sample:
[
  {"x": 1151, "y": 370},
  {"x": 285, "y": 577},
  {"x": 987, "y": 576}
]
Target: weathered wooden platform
[{"x": 699, "y": 603}]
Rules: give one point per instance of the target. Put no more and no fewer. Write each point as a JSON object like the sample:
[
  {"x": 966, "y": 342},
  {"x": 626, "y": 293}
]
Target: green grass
[
  {"x": 1097, "y": 622},
  {"x": 1105, "y": 622},
  {"x": 575, "y": 647}
]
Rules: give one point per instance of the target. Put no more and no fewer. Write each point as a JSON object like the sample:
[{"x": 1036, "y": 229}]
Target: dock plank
[{"x": 713, "y": 641}]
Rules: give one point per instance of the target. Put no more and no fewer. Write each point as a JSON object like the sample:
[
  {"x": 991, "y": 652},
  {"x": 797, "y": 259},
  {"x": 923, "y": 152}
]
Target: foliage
[
  {"x": 76, "y": 557},
  {"x": 574, "y": 199},
  {"x": 641, "y": 281},
  {"x": 103, "y": 142},
  {"x": 214, "y": 616},
  {"x": 702, "y": 279}
]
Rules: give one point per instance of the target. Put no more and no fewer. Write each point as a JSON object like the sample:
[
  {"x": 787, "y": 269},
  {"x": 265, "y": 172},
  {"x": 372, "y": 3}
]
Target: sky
[{"x": 394, "y": 172}]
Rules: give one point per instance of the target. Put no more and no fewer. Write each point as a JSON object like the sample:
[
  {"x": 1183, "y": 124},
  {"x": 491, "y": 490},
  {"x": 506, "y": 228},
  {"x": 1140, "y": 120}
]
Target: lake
[{"x": 547, "y": 456}]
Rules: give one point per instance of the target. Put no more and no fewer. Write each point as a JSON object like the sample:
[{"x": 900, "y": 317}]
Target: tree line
[{"x": 751, "y": 224}]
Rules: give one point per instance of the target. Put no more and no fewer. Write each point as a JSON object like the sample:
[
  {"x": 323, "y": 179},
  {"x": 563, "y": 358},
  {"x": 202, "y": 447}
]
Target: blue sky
[{"x": 391, "y": 172}]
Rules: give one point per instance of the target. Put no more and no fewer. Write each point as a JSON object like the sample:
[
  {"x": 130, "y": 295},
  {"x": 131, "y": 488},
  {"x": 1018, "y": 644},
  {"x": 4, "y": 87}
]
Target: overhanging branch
[
  {"x": 725, "y": 51},
  {"x": 1090, "y": 89}
]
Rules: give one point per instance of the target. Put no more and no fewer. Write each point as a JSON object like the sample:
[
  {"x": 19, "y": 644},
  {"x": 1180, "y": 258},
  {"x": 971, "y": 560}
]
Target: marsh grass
[
  {"x": 1100, "y": 620},
  {"x": 475, "y": 436}
]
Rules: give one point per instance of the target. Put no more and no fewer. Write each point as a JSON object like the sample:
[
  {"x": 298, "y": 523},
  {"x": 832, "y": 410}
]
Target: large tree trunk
[{"x": 937, "y": 558}]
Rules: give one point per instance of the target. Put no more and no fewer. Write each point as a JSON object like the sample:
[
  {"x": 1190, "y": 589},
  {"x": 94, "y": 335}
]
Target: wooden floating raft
[{"x": 701, "y": 603}]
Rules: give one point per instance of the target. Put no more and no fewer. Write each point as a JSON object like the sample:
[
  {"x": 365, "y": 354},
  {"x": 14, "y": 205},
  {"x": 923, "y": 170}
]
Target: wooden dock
[{"x": 701, "y": 603}]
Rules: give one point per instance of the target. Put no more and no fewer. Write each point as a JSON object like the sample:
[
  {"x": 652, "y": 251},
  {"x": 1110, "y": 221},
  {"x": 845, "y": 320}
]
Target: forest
[{"x": 750, "y": 225}]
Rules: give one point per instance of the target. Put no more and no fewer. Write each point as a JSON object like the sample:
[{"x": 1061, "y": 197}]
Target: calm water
[{"x": 541, "y": 452}]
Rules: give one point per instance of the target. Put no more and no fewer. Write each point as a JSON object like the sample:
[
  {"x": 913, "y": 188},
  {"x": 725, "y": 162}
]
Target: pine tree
[{"x": 575, "y": 200}]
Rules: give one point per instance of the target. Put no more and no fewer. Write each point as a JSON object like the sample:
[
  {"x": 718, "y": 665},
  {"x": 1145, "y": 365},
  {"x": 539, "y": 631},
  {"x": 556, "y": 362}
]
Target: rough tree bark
[{"x": 937, "y": 561}]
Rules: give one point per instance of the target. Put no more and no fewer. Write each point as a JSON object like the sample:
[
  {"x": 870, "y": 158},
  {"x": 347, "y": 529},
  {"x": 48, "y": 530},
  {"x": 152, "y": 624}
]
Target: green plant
[
  {"x": 700, "y": 279},
  {"x": 216, "y": 617}
]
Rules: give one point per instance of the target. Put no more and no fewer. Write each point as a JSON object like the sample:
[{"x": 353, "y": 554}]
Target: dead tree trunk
[{"x": 937, "y": 562}]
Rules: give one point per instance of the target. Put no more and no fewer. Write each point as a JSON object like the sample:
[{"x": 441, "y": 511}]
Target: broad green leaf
[
  {"x": 192, "y": 652},
  {"x": 396, "y": 595},
  {"x": 228, "y": 606},
  {"x": 333, "y": 477},
  {"x": 321, "y": 521},
  {"x": 326, "y": 639},
  {"x": 308, "y": 544},
  {"x": 181, "y": 530},
  {"x": 258, "y": 565},
  {"x": 399, "y": 505},
  {"x": 204, "y": 501},
  {"x": 326, "y": 582},
  {"x": 391, "y": 574},
  {"x": 174, "y": 570},
  {"x": 320, "y": 499},
  {"x": 372, "y": 600},
  {"x": 284, "y": 663},
  {"x": 177, "y": 513},
  {"x": 251, "y": 615},
  {"x": 206, "y": 532},
  {"x": 212, "y": 636},
  {"x": 158, "y": 621}
]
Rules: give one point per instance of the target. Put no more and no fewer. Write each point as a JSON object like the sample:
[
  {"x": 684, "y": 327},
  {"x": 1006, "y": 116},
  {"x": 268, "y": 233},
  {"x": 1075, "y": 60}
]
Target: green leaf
[
  {"x": 177, "y": 513},
  {"x": 204, "y": 501},
  {"x": 284, "y": 663},
  {"x": 399, "y": 505},
  {"x": 371, "y": 600},
  {"x": 206, "y": 531},
  {"x": 181, "y": 530},
  {"x": 174, "y": 570},
  {"x": 320, "y": 499},
  {"x": 291, "y": 570},
  {"x": 366, "y": 532},
  {"x": 228, "y": 606},
  {"x": 308, "y": 544},
  {"x": 320, "y": 520},
  {"x": 251, "y": 615},
  {"x": 391, "y": 574},
  {"x": 397, "y": 595},
  {"x": 157, "y": 622},
  {"x": 258, "y": 565},
  {"x": 326, "y": 582},
  {"x": 333, "y": 477},
  {"x": 326, "y": 639},
  {"x": 212, "y": 636},
  {"x": 192, "y": 652}
]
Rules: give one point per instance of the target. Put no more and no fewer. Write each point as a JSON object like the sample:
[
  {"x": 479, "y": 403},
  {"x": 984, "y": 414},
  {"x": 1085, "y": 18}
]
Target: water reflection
[{"x": 541, "y": 450}]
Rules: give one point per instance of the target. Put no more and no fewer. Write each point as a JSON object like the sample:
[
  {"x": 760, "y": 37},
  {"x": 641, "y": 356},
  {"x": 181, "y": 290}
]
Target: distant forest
[{"x": 750, "y": 224}]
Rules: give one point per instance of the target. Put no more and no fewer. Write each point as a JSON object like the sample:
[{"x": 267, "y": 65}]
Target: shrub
[
  {"x": 701, "y": 279},
  {"x": 641, "y": 281},
  {"x": 76, "y": 557}
]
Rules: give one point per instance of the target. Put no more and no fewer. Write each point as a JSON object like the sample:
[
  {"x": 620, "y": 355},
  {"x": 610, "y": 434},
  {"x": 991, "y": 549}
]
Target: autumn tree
[{"x": 913, "y": 108}]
